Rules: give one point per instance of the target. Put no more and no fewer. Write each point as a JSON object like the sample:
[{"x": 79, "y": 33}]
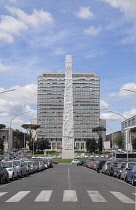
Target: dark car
[
  {"x": 99, "y": 165},
  {"x": 118, "y": 170},
  {"x": 4, "y": 176}
]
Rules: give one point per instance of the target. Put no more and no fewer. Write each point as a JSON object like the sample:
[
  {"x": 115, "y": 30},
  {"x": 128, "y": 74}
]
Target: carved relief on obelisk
[{"x": 68, "y": 124}]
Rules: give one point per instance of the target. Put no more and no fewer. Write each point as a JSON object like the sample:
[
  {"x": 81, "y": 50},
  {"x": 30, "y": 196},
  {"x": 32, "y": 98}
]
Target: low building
[
  {"x": 111, "y": 137},
  {"x": 5, "y": 135}
]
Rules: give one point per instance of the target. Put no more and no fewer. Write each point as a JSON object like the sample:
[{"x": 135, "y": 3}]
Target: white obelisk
[{"x": 68, "y": 123}]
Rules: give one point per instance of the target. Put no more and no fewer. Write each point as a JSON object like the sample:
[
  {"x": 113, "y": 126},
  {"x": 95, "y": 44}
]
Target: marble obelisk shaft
[{"x": 68, "y": 124}]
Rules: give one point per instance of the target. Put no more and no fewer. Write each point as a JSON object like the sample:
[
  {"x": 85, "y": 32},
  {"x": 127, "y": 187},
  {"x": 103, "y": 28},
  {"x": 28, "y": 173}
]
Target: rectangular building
[{"x": 86, "y": 107}]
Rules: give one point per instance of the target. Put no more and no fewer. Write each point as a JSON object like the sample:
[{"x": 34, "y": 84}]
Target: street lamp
[
  {"x": 129, "y": 90},
  {"x": 126, "y": 129},
  {"x": 7, "y": 91},
  {"x": 10, "y": 135}
]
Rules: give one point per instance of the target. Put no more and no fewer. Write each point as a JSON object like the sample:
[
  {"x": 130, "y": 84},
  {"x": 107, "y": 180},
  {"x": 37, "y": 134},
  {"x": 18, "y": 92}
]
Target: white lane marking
[
  {"x": 70, "y": 196},
  {"x": 44, "y": 196},
  {"x": 2, "y": 193},
  {"x": 17, "y": 197},
  {"x": 69, "y": 181},
  {"x": 123, "y": 198},
  {"x": 96, "y": 196}
]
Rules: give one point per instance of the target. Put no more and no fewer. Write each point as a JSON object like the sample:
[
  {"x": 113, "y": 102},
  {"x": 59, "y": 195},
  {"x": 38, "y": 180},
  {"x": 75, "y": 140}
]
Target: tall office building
[{"x": 86, "y": 107}]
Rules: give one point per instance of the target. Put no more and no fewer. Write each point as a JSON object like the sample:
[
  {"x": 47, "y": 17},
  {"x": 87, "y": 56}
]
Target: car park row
[
  {"x": 124, "y": 170},
  {"x": 16, "y": 168}
]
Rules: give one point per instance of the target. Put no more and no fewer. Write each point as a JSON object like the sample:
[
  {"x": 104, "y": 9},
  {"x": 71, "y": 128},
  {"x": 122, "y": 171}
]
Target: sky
[{"x": 36, "y": 36}]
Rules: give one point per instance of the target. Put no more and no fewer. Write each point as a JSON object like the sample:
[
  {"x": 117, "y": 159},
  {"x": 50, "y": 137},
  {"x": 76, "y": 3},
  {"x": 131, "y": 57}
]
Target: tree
[
  {"x": 118, "y": 140},
  {"x": 31, "y": 129},
  {"x": 42, "y": 144},
  {"x": 99, "y": 130},
  {"x": 91, "y": 145},
  {"x": 2, "y": 126}
]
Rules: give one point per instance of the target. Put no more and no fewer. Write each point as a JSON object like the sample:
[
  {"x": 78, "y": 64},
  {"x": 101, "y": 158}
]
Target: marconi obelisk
[{"x": 68, "y": 123}]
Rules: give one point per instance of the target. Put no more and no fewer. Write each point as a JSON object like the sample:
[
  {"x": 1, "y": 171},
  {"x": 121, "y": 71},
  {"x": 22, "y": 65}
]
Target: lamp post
[
  {"x": 10, "y": 135},
  {"x": 126, "y": 129},
  {"x": 130, "y": 90},
  {"x": 7, "y": 91}
]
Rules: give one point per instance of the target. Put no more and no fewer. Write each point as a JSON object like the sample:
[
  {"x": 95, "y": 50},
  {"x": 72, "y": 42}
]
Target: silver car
[
  {"x": 21, "y": 167},
  {"x": 12, "y": 170},
  {"x": 127, "y": 166}
]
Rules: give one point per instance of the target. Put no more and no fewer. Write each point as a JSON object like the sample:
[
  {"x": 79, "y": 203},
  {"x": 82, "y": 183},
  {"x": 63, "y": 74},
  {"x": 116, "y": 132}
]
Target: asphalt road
[{"x": 67, "y": 187}]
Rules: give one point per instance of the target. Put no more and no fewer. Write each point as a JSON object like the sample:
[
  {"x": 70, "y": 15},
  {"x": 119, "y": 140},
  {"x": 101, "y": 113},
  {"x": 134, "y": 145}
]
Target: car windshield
[
  {"x": 16, "y": 163},
  {"x": 131, "y": 164},
  {"x": 7, "y": 164}
]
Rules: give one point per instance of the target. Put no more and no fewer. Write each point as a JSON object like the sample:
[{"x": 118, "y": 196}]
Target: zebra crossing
[{"x": 68, "y": 196}]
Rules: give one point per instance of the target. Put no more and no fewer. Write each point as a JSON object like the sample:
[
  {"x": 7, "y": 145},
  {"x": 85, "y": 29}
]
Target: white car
[
  {"x": 12, "y": 170},
  {"x": 75, "y": 161}
]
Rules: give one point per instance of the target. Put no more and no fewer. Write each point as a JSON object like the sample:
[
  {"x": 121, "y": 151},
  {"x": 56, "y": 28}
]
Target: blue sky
[{"x": 36, "y": 35}]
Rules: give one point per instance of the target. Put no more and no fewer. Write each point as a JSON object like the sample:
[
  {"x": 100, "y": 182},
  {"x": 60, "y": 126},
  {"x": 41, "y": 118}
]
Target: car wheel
[
  {"x": 7, "y": 180},
  {"x": 1, "y": 180},
  {"x": 133, "y": 182},
  {"x": 13, "y": 178},
  {"x": 17, "y": 176},
  {"x": 126, "y": 179},
  {"x": 118, "y": 176}
]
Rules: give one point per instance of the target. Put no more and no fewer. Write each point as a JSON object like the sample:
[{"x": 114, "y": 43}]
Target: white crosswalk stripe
[
  {"x": 19, "y": 196},
  {"x": 96, "y": 196},
  {"x": 123, "y": 198},
  {"x": 2, "y": 193},
  {"x": 44, "y": 196},
  {"x": 70, "y": 196}
]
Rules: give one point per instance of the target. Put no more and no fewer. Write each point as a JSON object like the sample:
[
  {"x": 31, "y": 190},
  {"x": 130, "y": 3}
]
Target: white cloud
[
  {"x": 11, "y": 26},
  {"x": 18, "y": 101},
  {"x": 36, "y": 19},
  {"x": 103, "y": 105},
  {"x": 93, "y": 31},
  {"x": 129, "y": 92},
  {"x": 4, "y": 68},
  {"x": 84, "y": 13},
  {"x": 128, "y": 7}
]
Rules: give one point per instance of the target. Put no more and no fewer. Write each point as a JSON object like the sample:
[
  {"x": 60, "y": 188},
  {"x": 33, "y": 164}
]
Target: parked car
[
  {"x": 127, "y": 167},
  {"x": 4, "y": 175},
  {"x": 75, "y": 161},
  {"x": 27, "y": 167},
  {"x": 110, "y": 168},
  {"x": 131, "y": 175},
  {"x": 36, "y": 166},
  {"x": 118, "y": 170},
  {"x": 21, "y": 167},
  {"x": 105, "y": 166},
  {"x": 99, "y": 165},
  {"x": 11, "y": 169}
]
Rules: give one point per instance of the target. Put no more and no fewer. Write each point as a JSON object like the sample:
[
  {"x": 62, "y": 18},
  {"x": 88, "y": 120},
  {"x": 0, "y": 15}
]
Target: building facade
[
  {"x": 127, "y": 135},
  {"x": 50, "y": 105},
  {"x": 5, "y": 135},
  {"x": 111, "y": 137}
]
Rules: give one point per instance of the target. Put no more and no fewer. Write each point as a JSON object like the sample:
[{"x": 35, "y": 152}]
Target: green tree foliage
[
  {"x": 99, "y": 130},
  {"x": 118, "y": 140},
  {"x": 18, "y": 139},
  {"x": 91, "y": 145},
  {"x": 30, "y": 128},
  {"x": 42, "y": 144},
  {"x": 2, "y": 126}
]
